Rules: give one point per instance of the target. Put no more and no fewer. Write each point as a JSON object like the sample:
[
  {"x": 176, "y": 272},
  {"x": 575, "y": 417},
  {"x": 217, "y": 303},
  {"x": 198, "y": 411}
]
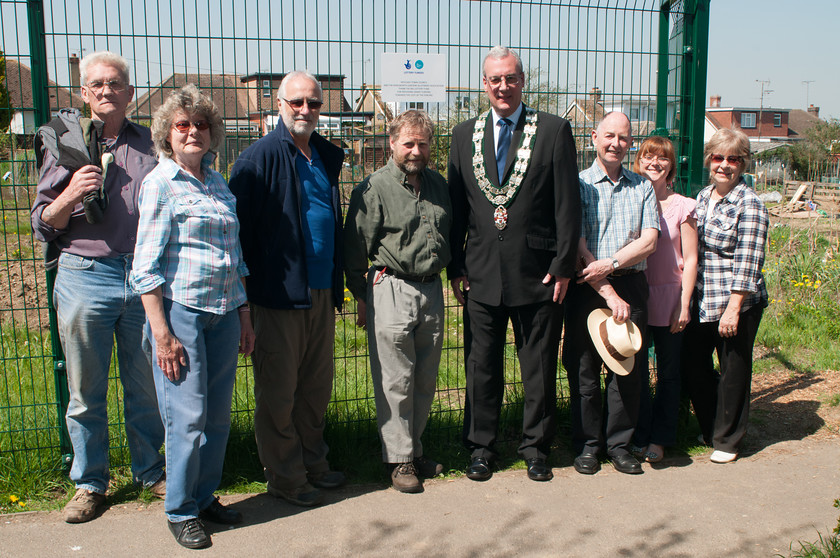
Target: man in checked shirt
[{"x": 619, "y": 231}]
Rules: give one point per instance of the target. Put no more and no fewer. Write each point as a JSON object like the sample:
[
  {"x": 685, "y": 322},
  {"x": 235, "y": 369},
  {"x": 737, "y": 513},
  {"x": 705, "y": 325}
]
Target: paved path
[{"x": 754, "y": 507}]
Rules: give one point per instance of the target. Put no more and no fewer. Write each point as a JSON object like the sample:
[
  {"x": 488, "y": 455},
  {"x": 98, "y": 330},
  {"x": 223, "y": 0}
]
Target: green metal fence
[{"x": 582, "y": 58}]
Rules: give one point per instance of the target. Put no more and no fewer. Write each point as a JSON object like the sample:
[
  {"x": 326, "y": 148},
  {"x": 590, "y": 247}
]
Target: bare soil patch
[{"x": 23, "y": 287}]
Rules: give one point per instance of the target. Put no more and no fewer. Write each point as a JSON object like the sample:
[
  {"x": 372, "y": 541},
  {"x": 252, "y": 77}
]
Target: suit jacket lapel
[{"x": 490, "y": 152}]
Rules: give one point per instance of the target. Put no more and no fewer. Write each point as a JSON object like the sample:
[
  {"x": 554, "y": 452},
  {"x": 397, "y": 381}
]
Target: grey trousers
[
  {"x": 293, "y": 378},
  {"x": 405, "y": 339}
]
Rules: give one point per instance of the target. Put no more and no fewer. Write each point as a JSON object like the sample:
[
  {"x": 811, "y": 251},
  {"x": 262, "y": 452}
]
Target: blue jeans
[
  {"x": 196, "y": 408},
  {"x": 658, "y": 416},
  {"x": 95, "y": 303}
]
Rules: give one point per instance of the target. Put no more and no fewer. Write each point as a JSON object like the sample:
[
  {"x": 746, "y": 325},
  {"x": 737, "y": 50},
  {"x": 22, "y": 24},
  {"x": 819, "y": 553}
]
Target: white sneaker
[{"x": 722, "y": 457}]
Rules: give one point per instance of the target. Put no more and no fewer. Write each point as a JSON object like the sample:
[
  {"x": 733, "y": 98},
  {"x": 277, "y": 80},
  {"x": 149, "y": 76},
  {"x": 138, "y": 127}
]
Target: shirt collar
[
  {"x": 171, "y": 169},
  {"x": 513, "y": 117},
  {"x": 398, "y": 175},
  {"x": 601, "y": 175}
]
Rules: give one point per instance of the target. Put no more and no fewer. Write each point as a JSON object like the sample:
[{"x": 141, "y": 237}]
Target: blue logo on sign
[
  {"x": 408, "y": 64},
  {"x": 419, "y": 64}
]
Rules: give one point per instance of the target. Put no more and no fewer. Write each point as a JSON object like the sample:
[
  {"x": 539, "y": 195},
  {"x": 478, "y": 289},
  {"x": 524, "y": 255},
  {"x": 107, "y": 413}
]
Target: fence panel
[{"x": 582, "y": 58}]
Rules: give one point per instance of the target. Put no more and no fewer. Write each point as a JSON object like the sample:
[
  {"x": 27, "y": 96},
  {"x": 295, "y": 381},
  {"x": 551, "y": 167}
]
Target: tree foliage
[{"x": 6, "y": 110}]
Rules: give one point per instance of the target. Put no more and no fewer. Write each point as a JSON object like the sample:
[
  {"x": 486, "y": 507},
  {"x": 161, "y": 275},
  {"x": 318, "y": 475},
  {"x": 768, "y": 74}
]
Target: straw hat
[{"x": 616, "y": 343}]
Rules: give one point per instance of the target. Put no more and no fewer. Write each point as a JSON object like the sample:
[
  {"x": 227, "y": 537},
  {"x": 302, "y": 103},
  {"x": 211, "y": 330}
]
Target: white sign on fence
[{"x": 411, "y": 76}]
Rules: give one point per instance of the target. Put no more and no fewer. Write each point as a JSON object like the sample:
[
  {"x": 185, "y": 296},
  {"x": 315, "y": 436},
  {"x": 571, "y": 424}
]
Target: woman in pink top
[{"x": 671, "y": 273}]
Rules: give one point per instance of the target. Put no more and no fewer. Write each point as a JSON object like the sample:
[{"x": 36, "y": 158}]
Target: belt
[
  {"x": 406, "y": 277},
  {"x": 623, "y": 272}
]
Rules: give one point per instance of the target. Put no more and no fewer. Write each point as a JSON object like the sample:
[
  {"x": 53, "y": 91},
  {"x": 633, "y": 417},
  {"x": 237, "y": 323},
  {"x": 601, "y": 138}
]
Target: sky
[{"x": 784, "y": 41}]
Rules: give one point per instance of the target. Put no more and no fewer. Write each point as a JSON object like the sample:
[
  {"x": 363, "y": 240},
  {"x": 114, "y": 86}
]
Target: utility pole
[
  {"x": 807, "y": 83},
  {"x": 763, "y": 82}
]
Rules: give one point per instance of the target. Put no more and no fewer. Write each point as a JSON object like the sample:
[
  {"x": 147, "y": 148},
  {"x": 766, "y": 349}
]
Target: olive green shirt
[{"x": 391, "y": 226}]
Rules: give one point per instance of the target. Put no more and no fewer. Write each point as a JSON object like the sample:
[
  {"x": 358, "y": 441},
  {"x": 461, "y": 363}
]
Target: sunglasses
[
  {"x": 731, "y": 159},
  {"x": 183, "y": 126},
  {"x": 314, "y": 104}
]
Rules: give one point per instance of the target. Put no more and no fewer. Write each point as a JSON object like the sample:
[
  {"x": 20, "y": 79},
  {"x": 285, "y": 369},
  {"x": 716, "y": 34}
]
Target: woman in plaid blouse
[
  {"x": 730, "y": 295},
  {"x": 189, "y": 271}
]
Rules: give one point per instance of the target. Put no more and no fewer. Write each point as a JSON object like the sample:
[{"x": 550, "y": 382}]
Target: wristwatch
[{"x": 615, "y": 264}]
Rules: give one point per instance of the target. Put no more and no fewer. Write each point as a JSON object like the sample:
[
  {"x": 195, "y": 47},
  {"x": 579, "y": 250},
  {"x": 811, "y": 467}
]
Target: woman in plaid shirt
[
  {"x": 189, "y": 270},
  {"x": 730, "y": 295}
]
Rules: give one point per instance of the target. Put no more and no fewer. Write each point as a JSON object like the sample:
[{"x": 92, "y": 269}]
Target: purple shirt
[{"x": 117, "y": 233}]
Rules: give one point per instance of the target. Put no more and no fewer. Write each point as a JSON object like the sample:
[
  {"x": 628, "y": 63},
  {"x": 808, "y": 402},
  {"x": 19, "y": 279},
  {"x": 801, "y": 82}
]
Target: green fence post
[
  {"x": 662, "y": 60},
  {"x": 41, "y": 104},
  {"x": 696, "y": 91}
]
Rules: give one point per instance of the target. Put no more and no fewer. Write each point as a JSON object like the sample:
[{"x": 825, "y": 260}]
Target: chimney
[
  {"x": 595, "y": 94},
  {"x": 815, "y": 111},
  {"x": 75, "y": 78},
  {"x": 714, "y": 101}
]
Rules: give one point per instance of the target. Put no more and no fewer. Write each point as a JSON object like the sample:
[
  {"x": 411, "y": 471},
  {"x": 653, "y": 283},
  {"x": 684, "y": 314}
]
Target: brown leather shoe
[
  {"x": 305, "y": 495},
  {"x": 83, "y": 506},
  {"x": 426, "y": 467},
  {"x": 404, "y": 478},
  {"x": 158, "y": 489}
]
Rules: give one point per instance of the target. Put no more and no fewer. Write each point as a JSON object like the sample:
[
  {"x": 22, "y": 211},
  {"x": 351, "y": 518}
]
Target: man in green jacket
[{"x": 399, "y": 220}]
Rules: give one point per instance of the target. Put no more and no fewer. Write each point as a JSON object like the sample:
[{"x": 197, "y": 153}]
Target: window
[
  {"x": 747, "y": 120},
  {"x": 417, "y": 105},
  {"x": 266, "y": 85},
  {"x": 777, "y": 120},
  {"x": 635, "y": 113}
]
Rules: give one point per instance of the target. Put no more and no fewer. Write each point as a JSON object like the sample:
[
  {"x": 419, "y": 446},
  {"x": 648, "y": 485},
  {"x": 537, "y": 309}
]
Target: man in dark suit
[{"x": 515, "y": 226}]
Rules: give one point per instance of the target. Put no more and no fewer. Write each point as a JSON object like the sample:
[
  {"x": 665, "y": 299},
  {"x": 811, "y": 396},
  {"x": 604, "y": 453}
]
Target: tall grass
[{"x": 801, "y": 325}]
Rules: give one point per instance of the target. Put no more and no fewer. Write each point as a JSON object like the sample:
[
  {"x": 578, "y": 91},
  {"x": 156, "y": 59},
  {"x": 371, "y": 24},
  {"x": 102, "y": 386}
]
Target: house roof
[
  {"x": 334, "y": 101},
  {"x": 719, "y": 119},
  {"x": 277, "y": 77},
  {"x": 584, "y": 112},
  {"x": 800, "y": 121},
  {"x": 745, "y": 109},
  {"x": 374, "y": 91},
  {"x": 229, "y": 97},
  {"x": 19, "y": 85}
]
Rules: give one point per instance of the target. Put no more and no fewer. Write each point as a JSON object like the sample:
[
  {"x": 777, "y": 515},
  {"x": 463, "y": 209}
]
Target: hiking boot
[
  {"x": 305, "y": 495},
  {"x": 158, "y": 489},
  {"x": 327, "y": 479},
  {"x": 426, "y": 467},
  {"x": 404, "y": 478},
  {"x": 83, "y": 506}
]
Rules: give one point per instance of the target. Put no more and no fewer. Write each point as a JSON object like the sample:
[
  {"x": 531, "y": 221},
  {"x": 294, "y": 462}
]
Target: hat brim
[{"x": 621, "y": 367}]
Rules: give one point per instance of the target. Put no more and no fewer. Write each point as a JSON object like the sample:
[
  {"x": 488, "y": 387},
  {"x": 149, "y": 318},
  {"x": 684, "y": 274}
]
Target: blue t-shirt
[{"x": 318, "y": 220}]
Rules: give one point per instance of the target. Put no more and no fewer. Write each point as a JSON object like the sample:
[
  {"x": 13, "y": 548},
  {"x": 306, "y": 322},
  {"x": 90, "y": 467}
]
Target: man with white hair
[
  {"x": 92, "y": 295},
  {"x": 286, "y": 187},
  {"x": 620, "y": 228}
]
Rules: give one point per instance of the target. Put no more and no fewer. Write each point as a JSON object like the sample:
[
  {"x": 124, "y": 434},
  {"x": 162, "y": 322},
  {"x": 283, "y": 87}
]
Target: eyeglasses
[
  {"x": 731, "y": 159},
  {"x": 183, "y": 126},
  {"x": 116, "y": 85},
  {"x": 648, "y": 158},
  {"x": 314, "y": 104},
  {"x": 510, "y": 79}
]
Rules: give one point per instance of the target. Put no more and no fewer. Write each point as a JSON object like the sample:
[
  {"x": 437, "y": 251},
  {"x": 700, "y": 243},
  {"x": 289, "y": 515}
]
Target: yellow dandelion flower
[
  {"x": 13, "y": 498},
  {"x": 22, "y": 504}
]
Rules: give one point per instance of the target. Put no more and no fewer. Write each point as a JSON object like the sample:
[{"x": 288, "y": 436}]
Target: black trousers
[
  {"x": 608, "y": 426},
  {"x": 721, "y": 400},
  {"x": 536, "y": 330}
]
